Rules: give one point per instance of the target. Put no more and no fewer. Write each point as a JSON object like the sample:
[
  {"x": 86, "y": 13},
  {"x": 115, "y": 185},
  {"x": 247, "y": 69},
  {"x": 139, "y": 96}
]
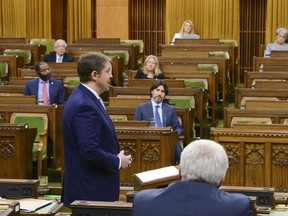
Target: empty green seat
[
  {"x": 39, "y": 121},
  {"x": 182, "y": 102},
  {"x": 124, "y": 54},
  {"x": 26, "y": 54},
  {"x": 48, "y": 43},
  {"x": 3, "y": 71}
]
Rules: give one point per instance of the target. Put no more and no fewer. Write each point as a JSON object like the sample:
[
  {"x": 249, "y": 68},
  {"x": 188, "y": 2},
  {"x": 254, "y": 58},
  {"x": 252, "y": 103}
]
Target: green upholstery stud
[{"x": 26, "y": 54}]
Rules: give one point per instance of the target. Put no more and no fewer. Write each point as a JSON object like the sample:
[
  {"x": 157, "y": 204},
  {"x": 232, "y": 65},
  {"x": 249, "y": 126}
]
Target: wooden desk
[
  {"x": 16, "y": 151},
  {"x": 150, "y": 148}
]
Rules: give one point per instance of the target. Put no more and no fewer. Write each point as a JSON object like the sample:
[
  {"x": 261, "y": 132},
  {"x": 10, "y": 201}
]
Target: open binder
[{"x": 156, "y": 178}]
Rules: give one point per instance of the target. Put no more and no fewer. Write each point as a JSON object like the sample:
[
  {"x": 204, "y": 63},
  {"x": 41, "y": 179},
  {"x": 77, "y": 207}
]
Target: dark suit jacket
[
  {"x": 189, "y": 199},
  {"x": 90, "y": 150},
  {"x": 140, "y": 75},
  {"x": 51, "y": 57},
  {"x": 144, "y": 112},
  {"x": 56, "y": 90}
]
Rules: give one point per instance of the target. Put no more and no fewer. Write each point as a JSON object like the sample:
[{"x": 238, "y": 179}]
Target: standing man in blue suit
[
  {"x": 92, "y": 156},
  {"x": 203, "y": 167},
  {"x": 55, "y": 88},
  {"x": 167, "y": 113},
  {"x": 60, "y": 54}
]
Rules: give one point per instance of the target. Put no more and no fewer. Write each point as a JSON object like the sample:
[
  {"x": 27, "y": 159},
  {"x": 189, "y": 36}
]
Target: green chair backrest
[
  {"x": 4, "y": 69},
  {"x": 181, "y": 102},
  {"x": 195, "y": 84},
  {"x": 32, "y": 122},
  {"x": 48, "y": 43},
  {"x": 207, "y": 67},
  {"x": 26, "y": 54},
  {"x": 124, "y": 54},
  {"x": 73, "y": 82}
]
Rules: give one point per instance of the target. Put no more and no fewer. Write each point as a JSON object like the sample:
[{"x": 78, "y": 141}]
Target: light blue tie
[
  {"x": 157, "y": 116},
  {"x": 101, "y": 101}
]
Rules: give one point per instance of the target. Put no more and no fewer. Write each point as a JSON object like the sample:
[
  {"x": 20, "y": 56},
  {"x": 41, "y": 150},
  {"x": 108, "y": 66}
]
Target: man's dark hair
[
  {"x": 158, "y": 83},
  {"x": 38, "y": 64},
  {"x": 89, "y": 62}
]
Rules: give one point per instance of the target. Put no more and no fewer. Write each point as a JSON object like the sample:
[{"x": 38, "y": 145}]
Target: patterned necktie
[
  {"x": 157, "y": 116},
  {"x": 45, "y": 94},
  {"x": 59, "y": 60}
]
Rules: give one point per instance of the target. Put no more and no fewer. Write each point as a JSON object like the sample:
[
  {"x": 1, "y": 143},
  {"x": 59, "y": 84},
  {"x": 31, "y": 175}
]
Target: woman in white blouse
[{"x": 186, "y": 31}]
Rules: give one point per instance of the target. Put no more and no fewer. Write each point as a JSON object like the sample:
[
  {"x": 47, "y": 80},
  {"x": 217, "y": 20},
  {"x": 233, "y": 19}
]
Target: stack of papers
[{"x": 32, "y": 205}]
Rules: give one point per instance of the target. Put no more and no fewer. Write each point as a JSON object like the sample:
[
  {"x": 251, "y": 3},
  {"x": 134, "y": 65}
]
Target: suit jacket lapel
[{"x": 164, "y": 114}]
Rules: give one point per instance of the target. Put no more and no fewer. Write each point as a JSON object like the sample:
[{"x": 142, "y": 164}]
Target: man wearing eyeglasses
[
  {"x": 47, "y": 90},
  {"x": 59, "y": 55}
]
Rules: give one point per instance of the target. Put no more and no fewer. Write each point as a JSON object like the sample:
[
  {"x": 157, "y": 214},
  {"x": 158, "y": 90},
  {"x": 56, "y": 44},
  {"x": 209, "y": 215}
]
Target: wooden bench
[
  {"x": 268, "y": 105},
  {"x": 252, "y": 76},
  {"x": 132, "y": 49},
  {"x": 18, "y": 99},
  {"x": 199, "y": 95},
  {"x": 276, "y": 116},
  {"x": 256, "y": 156},
  {"x": 36, "y": 50},
  {"x": 13, "y": 40},
  {"x": 54, "y": 113},
  {"x": 206, "y": 41},
  {"x": 18, "y": 81},
  {"x": 13, "y": 62},
  {"x": 6, "y": 90},
  {"x": 270, "y": 64},
  {"x": 242, "y": 93},
  {"x": 187, "y": 118},
  {"x": 148, "y": 83},
  {"x": 203, "y": 51},
  {"x": 98, "y": 41}
]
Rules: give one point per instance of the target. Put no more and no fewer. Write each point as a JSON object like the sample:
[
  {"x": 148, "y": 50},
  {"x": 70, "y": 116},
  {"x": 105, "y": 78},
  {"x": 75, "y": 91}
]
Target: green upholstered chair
[
  {"x": 124, "y": 54},
  {"x": 72, "y": 81},
  {"x": 48, "y": 43},
  {"x": 39, "y": 121},
  {"x": 26, "y": 54},
  {"x": 3, "y": 71},
  {"x": 196, "y": 83},
  {"x": 140, "y": 44},
  {"x": 182, "y": 102},
  {"x": 207, "y": 67},
  {"x": 229, "y": 43}
]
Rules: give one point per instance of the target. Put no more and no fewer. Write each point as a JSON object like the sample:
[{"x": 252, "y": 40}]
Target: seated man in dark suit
[
  {"x": 167, "y": 115},
  {"x": 59, "y": 55},
  {"x": 54, "y": 93},
  {"x": 203, "y": 167}
]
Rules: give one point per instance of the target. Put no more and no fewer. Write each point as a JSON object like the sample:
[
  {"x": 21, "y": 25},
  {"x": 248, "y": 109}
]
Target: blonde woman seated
[
  {"x": 186, "y": 31},
  {"x": 150, "y": 69},
  {"x": 279, "y": 43}
]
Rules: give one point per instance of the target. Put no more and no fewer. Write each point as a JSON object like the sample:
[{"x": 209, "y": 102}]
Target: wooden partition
[
  {"x": 252, "y": 76},
  {"x": 98, "y": 41},
  {"x": 242, "y": 93},
  {"x": 270, "y": 64},
  {"x": 256, "y": 157},
  {"x": 206, "y": 41},
  {"x": 16, "y": 151},
  {"x": 13, "y": 62},
  {"x": 150, "y": 148},
  {"x": 276, "y": 116},
  {"x": 132, "y": 49},
  {"x": 54, "y": 113}
]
